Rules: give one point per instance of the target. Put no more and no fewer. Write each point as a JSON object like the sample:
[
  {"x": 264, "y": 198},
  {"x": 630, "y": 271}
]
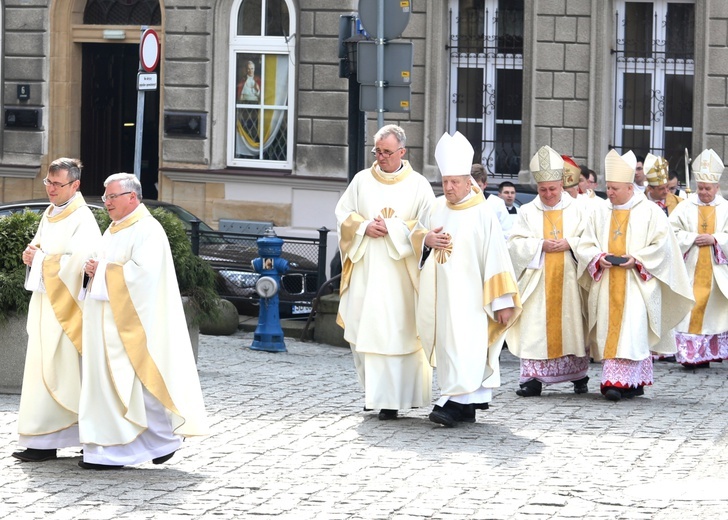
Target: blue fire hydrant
[{"x": 268, "y": 334}]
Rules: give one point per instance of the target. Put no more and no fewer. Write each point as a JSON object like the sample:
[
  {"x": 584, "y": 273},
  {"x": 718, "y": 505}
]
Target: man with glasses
[
  {"x": 48, "y": 416},
  {"x": 141, "y": 393},
  {"x": 374, "y": 217}
]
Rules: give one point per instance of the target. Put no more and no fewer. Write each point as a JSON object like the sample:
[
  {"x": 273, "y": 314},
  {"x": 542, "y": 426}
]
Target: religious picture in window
[{"x": 261, "y": 106}]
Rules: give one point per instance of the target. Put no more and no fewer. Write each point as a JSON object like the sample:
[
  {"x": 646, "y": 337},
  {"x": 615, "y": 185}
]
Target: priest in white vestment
[
  {"x": 630, "y": 263},
  {"x": 549, "y": 338},
  {"x": 141, "y": 393},
  {"x": 48, "y": 416},
  {"x": 468, "y": 294},
  {"x": 701, "y": 227},
  {"x": 379, "y": 277}
]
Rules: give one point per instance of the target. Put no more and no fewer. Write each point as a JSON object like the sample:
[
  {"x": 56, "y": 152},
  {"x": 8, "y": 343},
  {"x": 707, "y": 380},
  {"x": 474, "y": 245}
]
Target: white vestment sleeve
[
  {"x": 34, "y": 275},
  {"x": 538, "y": 258},
  {"x": 99, "y": 291},
  {"x": 502, "y": 302}
]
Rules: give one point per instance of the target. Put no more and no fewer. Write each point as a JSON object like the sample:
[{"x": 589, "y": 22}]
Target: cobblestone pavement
[{"x": 290, "y": 440}]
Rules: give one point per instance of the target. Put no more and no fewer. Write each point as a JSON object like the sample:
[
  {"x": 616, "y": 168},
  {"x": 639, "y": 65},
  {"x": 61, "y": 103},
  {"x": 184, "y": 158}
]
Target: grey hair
[
  {"x": 72, "y": 166},
  {"x": 394, "y": 130},
  {"x": 127, "y": 181}
]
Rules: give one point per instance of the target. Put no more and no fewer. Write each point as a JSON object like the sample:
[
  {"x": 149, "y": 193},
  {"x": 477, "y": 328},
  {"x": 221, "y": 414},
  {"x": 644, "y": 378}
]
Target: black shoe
[
  {"x": 697, "y": 365},
  {"x": 163, "y": 459},
  {"x": 613, "y": 394},
  {"x": 442, "y": 416},
  {"x": 631, "y": 392},
  {"x": 35, "y": 455},
  {"x": 580, "y": 385},
  {"x": 530, "y": 388},
  {"x": 387, "y": 415},
  {"x": 98, "y": 467}
]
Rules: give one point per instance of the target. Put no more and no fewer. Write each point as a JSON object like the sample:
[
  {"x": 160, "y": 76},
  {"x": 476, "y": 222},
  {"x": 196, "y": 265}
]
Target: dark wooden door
[{"x": 108, "y": 118}]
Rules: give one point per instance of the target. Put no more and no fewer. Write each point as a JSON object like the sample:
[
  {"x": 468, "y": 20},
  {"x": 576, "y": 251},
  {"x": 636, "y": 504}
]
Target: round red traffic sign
[{"x": 149, "y": 50}]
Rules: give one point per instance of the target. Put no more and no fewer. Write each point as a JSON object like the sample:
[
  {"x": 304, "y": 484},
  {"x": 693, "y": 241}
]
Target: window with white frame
[
  {"x": 486, "y": 80},
  {"x": 654, "y": 81},
  {"x": 262, "y": 52}
]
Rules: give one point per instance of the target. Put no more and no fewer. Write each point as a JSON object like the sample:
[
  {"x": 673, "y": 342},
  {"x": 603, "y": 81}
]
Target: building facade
[{"x": 251, "y": 117}]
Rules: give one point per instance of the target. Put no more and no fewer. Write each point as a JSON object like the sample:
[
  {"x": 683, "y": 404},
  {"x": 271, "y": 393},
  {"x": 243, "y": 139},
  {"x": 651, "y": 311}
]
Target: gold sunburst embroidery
[
  {"x": 441, "y": 255},
  {"x": 387, "y": 213}
]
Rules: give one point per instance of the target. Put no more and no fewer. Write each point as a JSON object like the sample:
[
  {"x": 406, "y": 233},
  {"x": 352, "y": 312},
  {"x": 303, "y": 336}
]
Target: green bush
[{"x": 16, "y": 232}]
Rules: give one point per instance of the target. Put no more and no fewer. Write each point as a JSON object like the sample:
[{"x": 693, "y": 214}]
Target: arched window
[
  {"x": 122, "y": 12},
  {"x": 262, "y": 51}
]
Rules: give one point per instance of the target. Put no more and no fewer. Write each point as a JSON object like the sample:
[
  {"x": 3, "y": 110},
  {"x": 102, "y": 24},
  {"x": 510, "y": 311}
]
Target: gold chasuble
[
  {"x": 554, "y": 266},
  {"x": 703, "y": 277},
  {"x": 617, "y": 279}
]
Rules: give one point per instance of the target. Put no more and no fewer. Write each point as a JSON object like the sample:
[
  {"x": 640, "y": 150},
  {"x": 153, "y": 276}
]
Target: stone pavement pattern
[{"x": 289, "y": 440}]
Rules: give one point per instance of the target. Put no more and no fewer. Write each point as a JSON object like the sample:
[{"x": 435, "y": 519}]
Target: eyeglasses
[
  {"x": 56, "y": 184},
  {"x": 385, "y": 153},
  {"x": 113, "y": 196}
]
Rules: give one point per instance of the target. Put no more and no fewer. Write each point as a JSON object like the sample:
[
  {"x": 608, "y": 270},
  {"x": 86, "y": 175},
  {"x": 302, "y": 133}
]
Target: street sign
[
  {"x": 396, "y": 17},
  {"x": 397, "y": 63},
  {"x": 147, "y": 81},
  {"x": 149, "y": 50},
  {"x": 396, "y": 99}
]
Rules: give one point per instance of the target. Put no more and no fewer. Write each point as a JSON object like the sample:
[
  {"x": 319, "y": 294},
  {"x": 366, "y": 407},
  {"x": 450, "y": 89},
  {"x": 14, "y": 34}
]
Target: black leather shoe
[
  {"x": 580, "y": 385},
  {"x": 387, "y": 415},
  {"x": 697, "y": 365},
  {"x": 163, "y": 459},
  {"x": 613, "y": 394},
  {"x": 35, "y": 455},
  {"x": 630, "y": 392},
  {"x": 442, "y": 416},
  {"x": 98, "y": 467},
  {"x": 530, "y": 388}
]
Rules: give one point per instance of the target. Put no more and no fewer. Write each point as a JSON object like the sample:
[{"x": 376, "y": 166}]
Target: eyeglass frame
[
  {"x": 57, "y": 185},
  {"x": 385, "y": 153},
  {"x": 114, "y": 196}
]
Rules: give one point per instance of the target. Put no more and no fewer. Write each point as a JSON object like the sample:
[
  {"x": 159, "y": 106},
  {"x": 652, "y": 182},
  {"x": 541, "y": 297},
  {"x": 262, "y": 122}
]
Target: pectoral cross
[
  {"x": 617, "y": 233},
  {"x": 555, "y": 233},
  {"x": 704, "y": 225}
]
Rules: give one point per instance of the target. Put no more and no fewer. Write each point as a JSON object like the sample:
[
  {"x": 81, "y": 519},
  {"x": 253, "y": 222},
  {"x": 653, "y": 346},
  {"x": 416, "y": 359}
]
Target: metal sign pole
[
  {"x": 380, "y": 64},
  {"x": 141, "y": 95}
]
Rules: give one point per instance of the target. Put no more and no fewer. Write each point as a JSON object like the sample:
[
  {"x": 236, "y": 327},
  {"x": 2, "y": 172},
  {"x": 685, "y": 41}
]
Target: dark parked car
[{"x": 230, "y": 255}]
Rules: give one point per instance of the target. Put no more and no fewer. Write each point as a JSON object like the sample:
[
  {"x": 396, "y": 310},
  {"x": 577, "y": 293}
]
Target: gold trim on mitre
[
  {"x": 656, "y": 170},
  {"x": 454, "y": 155},
  {"x": 707, "y": 167},
  {"x": 547, "y": 165},
  {"x": 572, "y": 172},
  {"x": 620, "y": 168}
]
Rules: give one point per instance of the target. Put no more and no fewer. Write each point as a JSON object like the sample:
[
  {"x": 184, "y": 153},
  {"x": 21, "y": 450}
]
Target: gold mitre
[
  {"x": 547, "y": 165},
  {"x": 656, "y": 170},
  {"x": 454, "y": 155},
  {"x": 572, "y": 172},
  {"x": 619, "y": 168},
  {"x": 707, "y": 167}
]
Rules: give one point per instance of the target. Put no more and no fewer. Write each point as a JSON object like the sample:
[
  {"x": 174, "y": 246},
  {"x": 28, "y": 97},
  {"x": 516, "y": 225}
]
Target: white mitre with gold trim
[
  {"x": 620, "y": 168},
  {"x": 707, "y": 167},
  {"x": 454, "y": 155},
  {"x": 547, "y": 165}
]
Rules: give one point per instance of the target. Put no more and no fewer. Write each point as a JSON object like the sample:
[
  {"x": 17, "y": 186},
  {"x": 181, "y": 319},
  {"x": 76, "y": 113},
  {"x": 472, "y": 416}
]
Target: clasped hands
[
  {"x": 90, "y": 267},
  {"x": 555, "y": 246},
  {"x": 377, "y": 228},
  {"x": 437, "y": 240},
  {"x": 629, "y": 264},
  {"x": 705, "y": 240},
  {"x": 29, "y": 254}
]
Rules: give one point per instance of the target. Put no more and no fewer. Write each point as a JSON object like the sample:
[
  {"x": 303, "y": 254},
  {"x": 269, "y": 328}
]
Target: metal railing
[{"x": 230, "y": 255}]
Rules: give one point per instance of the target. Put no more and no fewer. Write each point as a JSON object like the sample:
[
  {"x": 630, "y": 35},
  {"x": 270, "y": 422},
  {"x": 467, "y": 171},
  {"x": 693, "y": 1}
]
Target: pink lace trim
[
  {"x": 624, "y": 373},
  {"x": 701, "y": 348},
  {"x": 550, "y": 371},
  {"x": 720, "y": 257}
]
